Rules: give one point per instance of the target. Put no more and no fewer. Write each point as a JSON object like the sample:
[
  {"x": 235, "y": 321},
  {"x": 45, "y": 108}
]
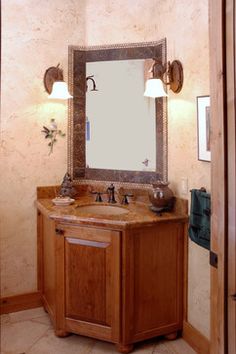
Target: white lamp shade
[
  {"x": 154, "y": 88},
  {"x": 60, "y": 91}
]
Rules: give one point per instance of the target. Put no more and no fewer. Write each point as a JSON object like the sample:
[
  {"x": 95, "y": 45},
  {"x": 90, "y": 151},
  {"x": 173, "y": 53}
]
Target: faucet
[
  {"x": 111, "y": 193},
  {"x": 93, "y": 81}
]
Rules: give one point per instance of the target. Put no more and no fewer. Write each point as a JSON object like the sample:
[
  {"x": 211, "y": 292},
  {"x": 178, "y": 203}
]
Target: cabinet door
[
  {"x": 153, "y": 258},
  {"x": 92, "y": 282}
]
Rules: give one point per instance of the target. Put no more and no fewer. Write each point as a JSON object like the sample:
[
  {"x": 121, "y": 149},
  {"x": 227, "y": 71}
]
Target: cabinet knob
[{"x": 59, "y": 232}]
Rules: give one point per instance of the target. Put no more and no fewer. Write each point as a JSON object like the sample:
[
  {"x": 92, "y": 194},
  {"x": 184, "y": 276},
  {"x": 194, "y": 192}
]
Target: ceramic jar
[{"x": 161, "y": 196}]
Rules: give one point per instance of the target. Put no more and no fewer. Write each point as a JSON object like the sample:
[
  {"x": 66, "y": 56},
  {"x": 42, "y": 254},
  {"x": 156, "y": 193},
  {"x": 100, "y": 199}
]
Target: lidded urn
[{"x": 161, "y": 196}]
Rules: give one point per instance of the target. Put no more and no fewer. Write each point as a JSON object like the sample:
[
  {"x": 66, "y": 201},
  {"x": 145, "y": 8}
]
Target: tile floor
[{"x": 30, "y": 332}]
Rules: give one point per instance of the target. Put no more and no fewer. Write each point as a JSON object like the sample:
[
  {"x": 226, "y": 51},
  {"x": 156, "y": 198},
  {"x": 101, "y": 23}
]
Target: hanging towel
[{"x": 200, "y": 215}]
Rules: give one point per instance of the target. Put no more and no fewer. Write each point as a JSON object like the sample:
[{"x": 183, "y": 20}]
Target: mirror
[
  {"x": 115, "y": 133},
  {"x": 119, "y": 117}
]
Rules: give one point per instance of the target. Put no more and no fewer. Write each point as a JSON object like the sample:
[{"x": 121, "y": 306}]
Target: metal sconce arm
[{"x": 52, "y": 74}]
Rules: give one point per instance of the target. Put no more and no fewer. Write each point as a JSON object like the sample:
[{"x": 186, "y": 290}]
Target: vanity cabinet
[{"x": 119, "y": 285}]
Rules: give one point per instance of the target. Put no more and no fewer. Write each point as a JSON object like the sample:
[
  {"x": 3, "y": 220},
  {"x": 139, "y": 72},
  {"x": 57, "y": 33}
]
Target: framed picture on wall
[{"x": 203, "y": 126}]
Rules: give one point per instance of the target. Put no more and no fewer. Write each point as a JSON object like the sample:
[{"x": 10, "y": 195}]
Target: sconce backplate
[
  {"x": 52, "y": 74},
  {"x": 176, "y": 76}
]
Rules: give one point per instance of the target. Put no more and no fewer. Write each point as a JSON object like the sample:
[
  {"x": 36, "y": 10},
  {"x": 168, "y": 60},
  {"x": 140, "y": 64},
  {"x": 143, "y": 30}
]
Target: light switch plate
[{"x": 184, "y": 185}]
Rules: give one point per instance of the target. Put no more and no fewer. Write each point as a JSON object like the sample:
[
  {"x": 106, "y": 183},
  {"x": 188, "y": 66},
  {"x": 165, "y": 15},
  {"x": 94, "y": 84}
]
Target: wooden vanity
[{"x": 117, "y": 278}]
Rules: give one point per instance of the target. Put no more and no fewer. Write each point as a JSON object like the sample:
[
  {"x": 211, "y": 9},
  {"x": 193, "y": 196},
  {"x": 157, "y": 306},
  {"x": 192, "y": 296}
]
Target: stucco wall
[
  {"x": 38, "y": 38},
  {"x": 35, "y": 36}
]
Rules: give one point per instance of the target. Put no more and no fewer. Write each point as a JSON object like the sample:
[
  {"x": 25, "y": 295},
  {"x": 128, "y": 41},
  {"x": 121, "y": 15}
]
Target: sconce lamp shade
[
  {"x": 60, "y": 91},
  {"x": 154, "y": 88}
]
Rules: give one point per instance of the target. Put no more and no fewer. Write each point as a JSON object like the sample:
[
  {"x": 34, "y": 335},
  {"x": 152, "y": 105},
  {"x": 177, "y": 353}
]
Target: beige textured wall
[
  {"x": 185, "y": 25},
  {"x": 35, "y": 36},
  {"x": 30, "y": 45}
]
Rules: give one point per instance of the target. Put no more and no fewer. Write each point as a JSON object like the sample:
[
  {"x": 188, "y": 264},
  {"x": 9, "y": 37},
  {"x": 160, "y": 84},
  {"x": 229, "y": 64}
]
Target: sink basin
[{"x": 101, "y": 209}]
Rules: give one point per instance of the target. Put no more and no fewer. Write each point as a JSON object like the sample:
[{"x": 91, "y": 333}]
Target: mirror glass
[
  {"x": 115, "y": 133},
  {"x": 120, "y": 121}
]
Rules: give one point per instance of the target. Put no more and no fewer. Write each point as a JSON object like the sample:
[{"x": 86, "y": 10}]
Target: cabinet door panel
[
  {"x": 153, "y": 281},
  {"x": 92, "y": 281},
  {"x": 158, "y": 277},
  {"x": 88, "y": 282}
]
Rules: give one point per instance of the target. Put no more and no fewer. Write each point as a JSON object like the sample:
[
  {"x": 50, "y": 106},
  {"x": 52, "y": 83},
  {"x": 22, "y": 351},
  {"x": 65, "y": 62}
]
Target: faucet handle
[
  {"x": 125, "y": 198},
  {"x": 98, "y": 196}
]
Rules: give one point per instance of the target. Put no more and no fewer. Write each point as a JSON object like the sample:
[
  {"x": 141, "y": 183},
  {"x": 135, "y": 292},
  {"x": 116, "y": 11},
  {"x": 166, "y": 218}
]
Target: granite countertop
[{"x": 138, "y": 214}]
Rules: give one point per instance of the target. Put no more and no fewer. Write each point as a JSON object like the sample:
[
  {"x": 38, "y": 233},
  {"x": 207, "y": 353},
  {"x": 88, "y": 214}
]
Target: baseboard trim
[
  {"x": 20, "y": 302},
  {"x": 195, "y": 339}
]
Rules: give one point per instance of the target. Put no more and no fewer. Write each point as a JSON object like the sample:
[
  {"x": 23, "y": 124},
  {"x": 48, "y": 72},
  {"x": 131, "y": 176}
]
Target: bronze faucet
[
  {"x": 111, "y": 193},
  {"x": 93, "y": 81}
]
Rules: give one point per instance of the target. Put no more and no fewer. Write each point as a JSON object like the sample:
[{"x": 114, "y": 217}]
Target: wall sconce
[
  {"x": 174, "y": 72},
  {"x": 54, "y": 83},
  {"x": 57, "y": 88}
]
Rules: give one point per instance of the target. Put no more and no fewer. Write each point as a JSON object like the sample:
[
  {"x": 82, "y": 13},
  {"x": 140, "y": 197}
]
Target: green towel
[{"x": 200, "y": 215}]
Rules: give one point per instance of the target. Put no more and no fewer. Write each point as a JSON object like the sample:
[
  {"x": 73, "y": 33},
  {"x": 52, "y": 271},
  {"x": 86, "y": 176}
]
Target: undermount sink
[{"x": 101, "y": 209}]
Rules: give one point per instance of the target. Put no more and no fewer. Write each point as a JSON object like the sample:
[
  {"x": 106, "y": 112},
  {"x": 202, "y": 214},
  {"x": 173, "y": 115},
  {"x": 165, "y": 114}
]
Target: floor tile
[
  {"x": 139, "y": 348},
  {"x": 180, "y": 346},
  {"x": 146, "y": 347},
  {"x": 50, "y": 344},
  {"x": 101, "y": 347},
  {"x": 27, "y": 314},
  {"x": 18, "y": 337},
  {"x": 30, "y": 332},
  {"x": 43, "y": 319},
  {"x": 162, "y": 348},
  {"x": 5, "y": 319}
]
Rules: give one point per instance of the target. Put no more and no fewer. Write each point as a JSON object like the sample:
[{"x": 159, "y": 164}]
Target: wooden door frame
[
  {"x": 230, "y": 27},
  {"x": 222, "y": 91},
  {"x": 218, "y": 174}
]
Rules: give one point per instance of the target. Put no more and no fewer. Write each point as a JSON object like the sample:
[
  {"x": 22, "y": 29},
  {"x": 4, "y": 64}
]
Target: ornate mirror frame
[{"x": 78, "y": 57}]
